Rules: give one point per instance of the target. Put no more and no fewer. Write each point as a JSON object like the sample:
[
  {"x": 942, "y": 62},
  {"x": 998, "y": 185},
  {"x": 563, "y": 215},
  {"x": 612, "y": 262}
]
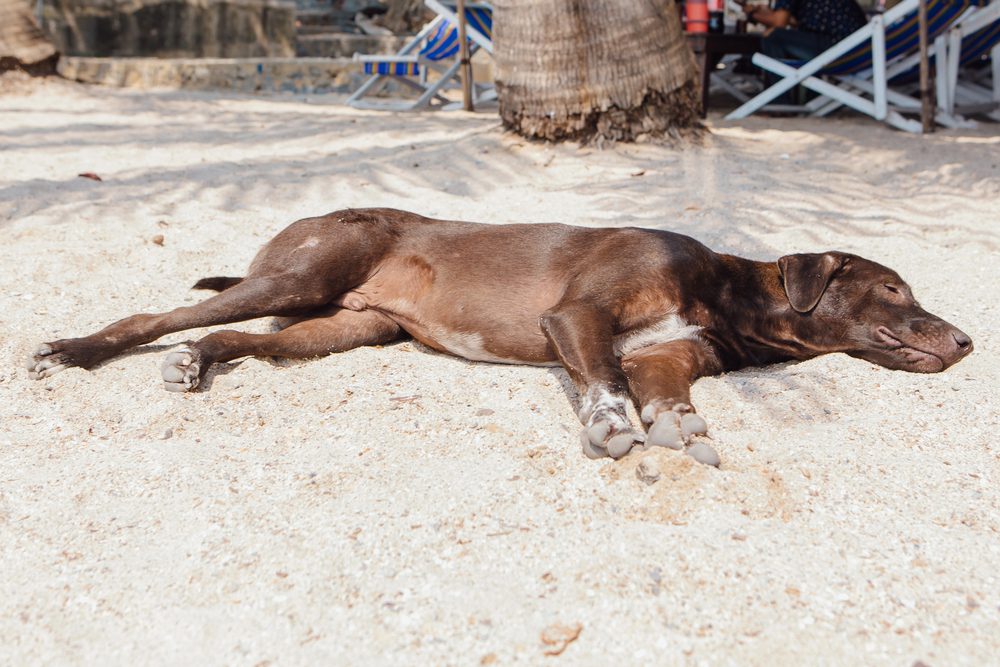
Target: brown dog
[{"x": 624, "y": 311}]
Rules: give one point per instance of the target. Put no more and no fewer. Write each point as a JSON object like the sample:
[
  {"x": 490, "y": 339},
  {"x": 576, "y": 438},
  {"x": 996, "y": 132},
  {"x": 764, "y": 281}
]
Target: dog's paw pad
[
  {"x": 703, "y": 453},
  {"x": 621, "y": 444},
  {"x": 181, "y": 370},
  {"x": 590, "y": 450},
  {"x": 598, "y": 432},
  {"x": 692, "y": 424},
  {"x": 601, "y": 439},
  {"x": 665, "y": 432}
]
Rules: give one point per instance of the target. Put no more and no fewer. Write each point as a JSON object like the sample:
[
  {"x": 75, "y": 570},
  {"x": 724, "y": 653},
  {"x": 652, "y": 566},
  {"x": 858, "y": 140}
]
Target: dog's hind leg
[
  {"x": 660, "y": 378},
  {"x": 254, "y": 296},
  {"x": 341, "y": 331}
]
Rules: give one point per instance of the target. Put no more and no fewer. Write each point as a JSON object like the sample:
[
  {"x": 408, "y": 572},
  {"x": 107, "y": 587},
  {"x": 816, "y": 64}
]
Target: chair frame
[
  {"x": 968, "y": 96},
  {"x": 849, "y": 90},
  {"x": 429, "y": 92}
]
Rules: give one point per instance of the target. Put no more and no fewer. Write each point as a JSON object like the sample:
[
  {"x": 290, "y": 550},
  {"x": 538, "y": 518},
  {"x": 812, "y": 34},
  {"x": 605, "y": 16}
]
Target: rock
[
  {"x": 557, "y": 637},
  {"x": 647, "y": 471}
]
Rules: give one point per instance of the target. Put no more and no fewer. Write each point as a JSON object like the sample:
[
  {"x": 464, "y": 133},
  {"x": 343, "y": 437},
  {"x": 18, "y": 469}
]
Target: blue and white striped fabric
[
  {"x": 978, "y": 45},
  {"x": 392, "y": 68},
  {"x": 441, "y": 45},
  {"x": 901, "y": 37},
  {"x": 975, "y": 47}
]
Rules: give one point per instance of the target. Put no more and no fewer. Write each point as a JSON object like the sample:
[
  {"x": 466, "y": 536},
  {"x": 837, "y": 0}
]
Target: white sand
[{"x": 392, "y": 506}]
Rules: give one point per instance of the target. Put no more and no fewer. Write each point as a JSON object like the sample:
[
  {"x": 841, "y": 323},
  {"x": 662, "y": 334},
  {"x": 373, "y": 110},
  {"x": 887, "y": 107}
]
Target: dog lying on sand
[{"x": 629, "y": 313}]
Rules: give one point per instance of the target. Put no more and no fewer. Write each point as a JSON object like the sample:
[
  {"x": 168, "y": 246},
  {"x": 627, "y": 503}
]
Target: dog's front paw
[
  {"x": 679, "y": 427},
  {"x": 48, "y": 360},
  {"x": 182, "y": 370},
  {"x": 609, "y": 435}
]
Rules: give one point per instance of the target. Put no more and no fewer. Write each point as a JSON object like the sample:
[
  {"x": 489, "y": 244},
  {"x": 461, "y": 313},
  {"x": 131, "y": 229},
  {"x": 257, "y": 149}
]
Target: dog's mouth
[{"x": 911, "y": 357}]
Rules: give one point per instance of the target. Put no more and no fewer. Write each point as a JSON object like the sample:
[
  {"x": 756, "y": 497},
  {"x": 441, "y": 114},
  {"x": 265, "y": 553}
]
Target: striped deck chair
[
  {"x": 855, "y": 71},
  {"x": 972, "y": 45},
  {"x": 903, "y": 73},
  {"x": 433, "y": 51}
]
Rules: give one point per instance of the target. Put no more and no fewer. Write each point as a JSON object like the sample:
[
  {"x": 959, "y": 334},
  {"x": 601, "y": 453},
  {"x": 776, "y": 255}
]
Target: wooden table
[{"x": 709, "y": 47}]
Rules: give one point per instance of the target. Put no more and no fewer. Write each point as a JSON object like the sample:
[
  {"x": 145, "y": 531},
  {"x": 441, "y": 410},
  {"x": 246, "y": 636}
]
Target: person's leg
[
  {"x": 795, "y": 44},
  {"x": 792, "y": 45}
]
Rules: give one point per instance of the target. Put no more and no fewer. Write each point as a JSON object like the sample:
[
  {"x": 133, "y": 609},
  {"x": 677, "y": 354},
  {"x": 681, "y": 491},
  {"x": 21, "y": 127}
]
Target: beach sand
[{"x": 400, "y": 507}]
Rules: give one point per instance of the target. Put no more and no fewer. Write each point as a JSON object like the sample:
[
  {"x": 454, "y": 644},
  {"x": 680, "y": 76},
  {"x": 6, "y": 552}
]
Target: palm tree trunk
[{"x": 595, "y": 70}]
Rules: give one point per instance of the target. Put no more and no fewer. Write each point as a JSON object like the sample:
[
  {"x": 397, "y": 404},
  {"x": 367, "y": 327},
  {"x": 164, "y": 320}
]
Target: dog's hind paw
[
  {"x": 181, "y": 370},
  {"x": 47, "y": 361}
]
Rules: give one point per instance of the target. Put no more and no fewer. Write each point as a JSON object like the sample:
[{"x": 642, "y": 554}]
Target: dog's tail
[{"x": 217, "y": 283}]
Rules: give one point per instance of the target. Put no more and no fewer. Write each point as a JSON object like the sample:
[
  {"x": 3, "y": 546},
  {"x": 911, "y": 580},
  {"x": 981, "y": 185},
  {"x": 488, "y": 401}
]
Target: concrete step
[
  {"x": 347, "y": 6},
  {"x": 325, "y": 17},
  {"x": 325, "y": 29},
  {"x": 345, "y": 45},
  {"x": 245, "y": 75}
]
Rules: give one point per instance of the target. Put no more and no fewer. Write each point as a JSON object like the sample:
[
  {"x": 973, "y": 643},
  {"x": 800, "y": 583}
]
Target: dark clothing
[
  {"x": 835, "y": 18},
  {"x": 796, "y": 44},
  {"x": 819, "y": 24}
]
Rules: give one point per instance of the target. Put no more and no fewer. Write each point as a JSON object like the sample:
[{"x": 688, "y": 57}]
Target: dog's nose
[{"x": 963, "y": 342}]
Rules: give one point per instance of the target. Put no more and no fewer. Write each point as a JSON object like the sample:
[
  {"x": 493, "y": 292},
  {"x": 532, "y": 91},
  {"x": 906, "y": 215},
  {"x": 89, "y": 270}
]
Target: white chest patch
[
  {"x": 470, "y": 345},
  {"x": 461, "y": 344},
  {"x": 671, "y": 327}
]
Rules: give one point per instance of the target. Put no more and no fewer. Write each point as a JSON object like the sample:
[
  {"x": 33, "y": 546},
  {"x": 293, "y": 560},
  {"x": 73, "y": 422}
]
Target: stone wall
[
  {"x": 243, "y": 75},
  {"x": 172, "y": 28}
]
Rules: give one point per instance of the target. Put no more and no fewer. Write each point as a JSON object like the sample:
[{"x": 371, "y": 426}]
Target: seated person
[{"x": 803, "y": 29}]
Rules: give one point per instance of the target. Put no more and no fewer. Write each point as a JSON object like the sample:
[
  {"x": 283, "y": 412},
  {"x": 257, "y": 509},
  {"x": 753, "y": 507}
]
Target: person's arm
[{"x": 772, "y": 18}]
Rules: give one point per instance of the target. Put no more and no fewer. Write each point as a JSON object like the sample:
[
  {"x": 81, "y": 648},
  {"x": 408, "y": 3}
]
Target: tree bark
[{"x": 595, "y": 70}]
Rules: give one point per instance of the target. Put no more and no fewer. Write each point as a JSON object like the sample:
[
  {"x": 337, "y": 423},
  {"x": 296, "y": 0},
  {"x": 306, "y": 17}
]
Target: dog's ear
[{"x": 806, "y": 276}]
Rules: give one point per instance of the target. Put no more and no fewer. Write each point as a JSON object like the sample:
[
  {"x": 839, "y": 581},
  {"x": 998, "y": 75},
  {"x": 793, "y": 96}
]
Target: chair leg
[
  {"x": 766, "y": 96},
  {"x": 366, "y": 88},
  {"x": 434, "y": 89},
  {"x": 995, "y": 56},
  {"x": 941, "y": 67},
  {"x": 878, "y": 72}
]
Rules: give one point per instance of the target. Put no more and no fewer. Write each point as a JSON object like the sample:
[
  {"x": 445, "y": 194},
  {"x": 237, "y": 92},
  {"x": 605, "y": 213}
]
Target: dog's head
[{"x": 846, "y": 303}]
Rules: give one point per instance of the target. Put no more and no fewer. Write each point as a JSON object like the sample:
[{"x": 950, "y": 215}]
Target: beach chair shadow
[
  {"x": 429, "y": 63},
  {"x": 856, "y": 71}
]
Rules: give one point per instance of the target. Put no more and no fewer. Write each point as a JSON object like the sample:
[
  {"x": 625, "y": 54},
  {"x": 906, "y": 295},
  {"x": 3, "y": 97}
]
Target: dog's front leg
[
  {"x": 581, "y": 336},
  {"x": 660, "y": 378}
]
